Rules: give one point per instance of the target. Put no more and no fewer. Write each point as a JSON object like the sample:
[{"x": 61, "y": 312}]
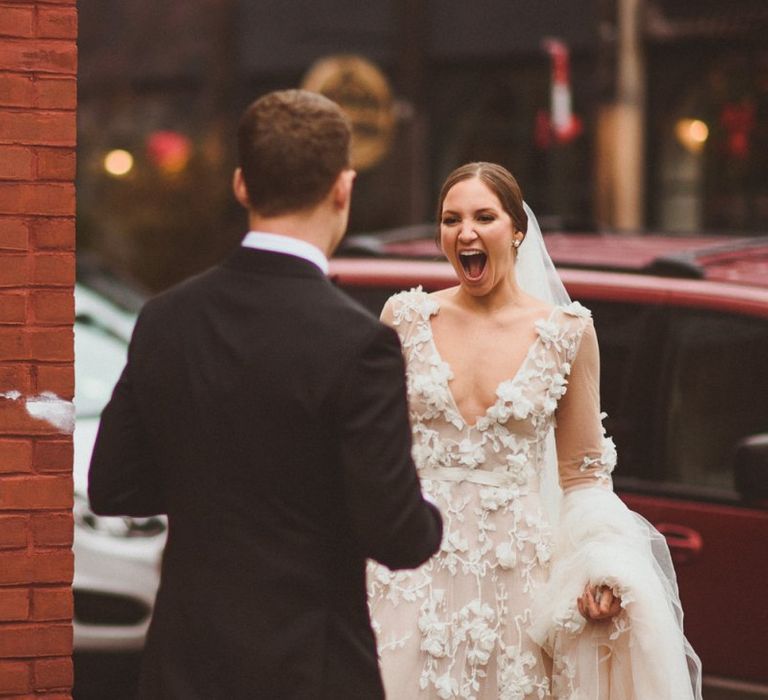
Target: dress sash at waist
[{"x": 475, "y": 476}]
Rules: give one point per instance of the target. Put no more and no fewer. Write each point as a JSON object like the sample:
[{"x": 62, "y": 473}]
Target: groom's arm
[
  {"x": 391, "y": 519},
  {"x": 123, "y": 477}
]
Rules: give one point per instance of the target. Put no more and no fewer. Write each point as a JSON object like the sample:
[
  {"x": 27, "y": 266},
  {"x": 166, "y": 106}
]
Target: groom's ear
[
  {"x": 239, "y": 188},
  {"x": 342, "y": 188}
]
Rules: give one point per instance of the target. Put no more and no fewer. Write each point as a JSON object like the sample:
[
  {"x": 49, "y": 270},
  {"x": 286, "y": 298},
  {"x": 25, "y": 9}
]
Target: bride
[{"x": 546, "y": 585}]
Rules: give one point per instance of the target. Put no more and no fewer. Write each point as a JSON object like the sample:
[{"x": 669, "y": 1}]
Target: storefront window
[{"x": 709, "y": 149}]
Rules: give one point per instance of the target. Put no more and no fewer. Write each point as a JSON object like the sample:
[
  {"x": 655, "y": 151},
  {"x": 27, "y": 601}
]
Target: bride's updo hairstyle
[{"x": 499, "y": 180}]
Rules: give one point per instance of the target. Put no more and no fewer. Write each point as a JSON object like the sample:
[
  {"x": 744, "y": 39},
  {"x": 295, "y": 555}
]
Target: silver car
[{"x": 117, "y": 559}]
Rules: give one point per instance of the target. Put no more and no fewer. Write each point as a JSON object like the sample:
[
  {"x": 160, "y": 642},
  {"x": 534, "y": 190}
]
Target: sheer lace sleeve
[
  {"x": 586, "y": 457},
  {"x": 643, "y": 652}
]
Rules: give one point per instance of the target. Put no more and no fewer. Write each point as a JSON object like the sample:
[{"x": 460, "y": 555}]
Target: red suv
[{"x": 683, "y": 330}]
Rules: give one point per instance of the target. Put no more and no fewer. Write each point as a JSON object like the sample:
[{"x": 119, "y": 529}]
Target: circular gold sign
[{"x": 362, "y": 91}]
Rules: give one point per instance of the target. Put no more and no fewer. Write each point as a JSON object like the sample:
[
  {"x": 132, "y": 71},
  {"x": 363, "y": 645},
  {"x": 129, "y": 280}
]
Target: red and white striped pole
[{"x": 565, "y": 125}]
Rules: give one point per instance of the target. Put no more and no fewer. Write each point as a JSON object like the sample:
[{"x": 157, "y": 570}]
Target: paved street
[{"x": 113, "y": 677}]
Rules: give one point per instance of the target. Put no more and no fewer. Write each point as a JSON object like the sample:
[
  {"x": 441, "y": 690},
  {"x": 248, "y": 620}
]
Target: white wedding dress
[{"x": 493, "y": 616}]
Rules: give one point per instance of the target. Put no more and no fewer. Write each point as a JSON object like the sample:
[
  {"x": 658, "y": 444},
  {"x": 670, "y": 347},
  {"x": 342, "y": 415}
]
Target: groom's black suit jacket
[{"x": 265, "y": 413}]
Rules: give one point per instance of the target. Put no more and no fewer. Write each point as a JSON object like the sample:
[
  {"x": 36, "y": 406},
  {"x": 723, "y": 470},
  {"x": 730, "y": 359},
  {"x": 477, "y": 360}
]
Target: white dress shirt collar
[{"x": 275, "y": 243}]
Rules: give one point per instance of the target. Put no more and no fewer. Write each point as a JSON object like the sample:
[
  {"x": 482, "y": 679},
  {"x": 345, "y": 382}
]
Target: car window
[
  {"x": 99, "y": 358},
  {"x": 717, "y": 384},
  {"x": 630, "y": 338}
]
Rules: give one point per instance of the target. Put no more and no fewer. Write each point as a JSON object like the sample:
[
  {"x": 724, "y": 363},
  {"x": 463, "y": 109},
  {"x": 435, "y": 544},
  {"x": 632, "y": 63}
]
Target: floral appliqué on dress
[{"x": 456, "y": 627}]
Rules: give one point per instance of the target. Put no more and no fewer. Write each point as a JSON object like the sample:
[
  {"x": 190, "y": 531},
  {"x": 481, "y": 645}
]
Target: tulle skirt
[{"x": 493, "y": 615}]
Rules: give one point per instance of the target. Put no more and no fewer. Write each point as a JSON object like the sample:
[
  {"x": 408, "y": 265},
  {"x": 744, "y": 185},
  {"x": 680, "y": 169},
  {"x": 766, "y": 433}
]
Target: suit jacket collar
[{"x": 265, "y": 262}]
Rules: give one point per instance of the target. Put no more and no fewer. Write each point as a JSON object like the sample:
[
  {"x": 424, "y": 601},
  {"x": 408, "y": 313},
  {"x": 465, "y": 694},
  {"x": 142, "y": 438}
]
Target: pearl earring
[{"x": 516, "y": 243}]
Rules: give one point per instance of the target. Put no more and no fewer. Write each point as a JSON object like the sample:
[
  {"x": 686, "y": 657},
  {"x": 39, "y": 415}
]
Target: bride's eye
[
  {"x": 486, "y": 218},
  {"x": 449, "y": 220}
]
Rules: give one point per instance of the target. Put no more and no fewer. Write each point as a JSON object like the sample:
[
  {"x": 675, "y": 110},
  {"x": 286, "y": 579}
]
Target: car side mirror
[{"x": 751, "y": 468}]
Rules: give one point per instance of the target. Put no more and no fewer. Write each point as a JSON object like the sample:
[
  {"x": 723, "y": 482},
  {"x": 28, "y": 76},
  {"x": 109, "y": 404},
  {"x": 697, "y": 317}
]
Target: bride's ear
[{"x": 439, "y": 240}]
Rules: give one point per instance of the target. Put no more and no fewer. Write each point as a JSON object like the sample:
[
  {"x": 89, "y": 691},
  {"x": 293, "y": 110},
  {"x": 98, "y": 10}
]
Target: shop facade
[{"x": 667, "y": 109}]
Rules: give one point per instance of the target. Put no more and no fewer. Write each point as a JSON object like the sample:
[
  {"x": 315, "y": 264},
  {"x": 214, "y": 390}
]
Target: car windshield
[{"x": 99, "y": 358}]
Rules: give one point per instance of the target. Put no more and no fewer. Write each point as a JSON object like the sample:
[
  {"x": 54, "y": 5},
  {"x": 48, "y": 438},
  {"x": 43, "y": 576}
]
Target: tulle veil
[{"x": 598, "y": 539}]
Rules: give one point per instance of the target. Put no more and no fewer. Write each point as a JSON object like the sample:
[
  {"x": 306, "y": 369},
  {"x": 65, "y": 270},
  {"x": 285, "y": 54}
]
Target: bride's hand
[{"x": 599, "y": 603}]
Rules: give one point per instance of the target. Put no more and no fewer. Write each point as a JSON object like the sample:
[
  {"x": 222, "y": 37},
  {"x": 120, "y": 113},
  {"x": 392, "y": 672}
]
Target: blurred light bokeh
[{"x": 614, "y": 114}]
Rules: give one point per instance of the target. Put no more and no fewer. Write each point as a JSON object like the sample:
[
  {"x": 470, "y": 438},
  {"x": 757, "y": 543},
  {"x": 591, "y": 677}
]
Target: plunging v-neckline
[{"x": 526, "y": 359}]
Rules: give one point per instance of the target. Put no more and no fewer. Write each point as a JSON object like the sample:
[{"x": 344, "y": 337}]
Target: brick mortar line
[
  {"x": 68, "y": 149},
  {"x": 38, "y": 74},
  {"x": 32, "y": 474},
  {"x": 62, "y": 181},
  {"x": 37, "y": 110},
  {"x": 32, "y": 587},
  {"x": 64, "y": 41}
]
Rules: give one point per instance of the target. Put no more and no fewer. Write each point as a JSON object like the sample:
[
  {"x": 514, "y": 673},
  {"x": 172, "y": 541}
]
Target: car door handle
[{"x": 685, "y": 544}]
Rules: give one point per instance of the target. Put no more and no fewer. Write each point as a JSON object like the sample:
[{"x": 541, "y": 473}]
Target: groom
[{"x": 265, "y": 413}]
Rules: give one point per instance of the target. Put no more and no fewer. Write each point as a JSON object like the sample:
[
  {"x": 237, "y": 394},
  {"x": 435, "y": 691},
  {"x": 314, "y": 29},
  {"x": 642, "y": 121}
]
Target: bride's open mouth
[{"x": 473, "y": 262}]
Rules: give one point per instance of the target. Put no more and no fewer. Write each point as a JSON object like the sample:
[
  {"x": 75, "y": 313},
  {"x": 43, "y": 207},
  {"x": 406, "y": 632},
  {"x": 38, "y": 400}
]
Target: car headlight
[{"x": 115, "y": 526}]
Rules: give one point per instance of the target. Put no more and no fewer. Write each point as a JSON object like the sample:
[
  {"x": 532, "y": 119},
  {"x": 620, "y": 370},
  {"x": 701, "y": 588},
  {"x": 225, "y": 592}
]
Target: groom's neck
[{"x": 314, "y": 226}]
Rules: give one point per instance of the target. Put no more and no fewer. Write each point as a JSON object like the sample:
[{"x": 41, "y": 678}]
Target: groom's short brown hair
[{"x": 292, "y": 145}]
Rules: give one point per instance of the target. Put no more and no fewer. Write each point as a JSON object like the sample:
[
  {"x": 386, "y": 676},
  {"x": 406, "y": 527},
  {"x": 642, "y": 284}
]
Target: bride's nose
[{"x": 467, "y": 233}]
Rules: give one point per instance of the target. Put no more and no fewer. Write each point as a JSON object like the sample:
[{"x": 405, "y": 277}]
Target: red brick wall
[{"x": 37, "y": 234}]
